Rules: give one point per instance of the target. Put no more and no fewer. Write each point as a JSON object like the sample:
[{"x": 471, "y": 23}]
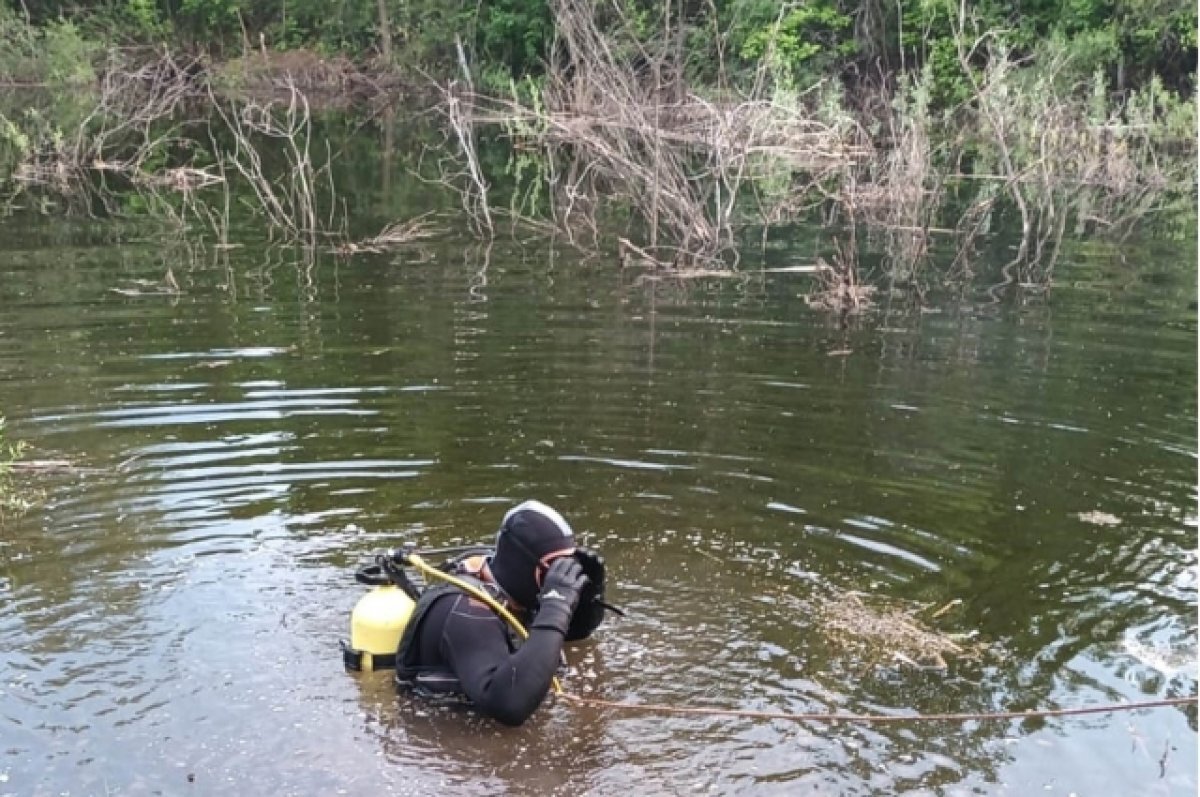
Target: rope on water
[{"x": 658, "y": 708}]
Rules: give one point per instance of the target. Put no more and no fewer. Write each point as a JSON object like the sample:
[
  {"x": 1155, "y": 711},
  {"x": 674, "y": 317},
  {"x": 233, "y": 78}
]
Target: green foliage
[
  {"x": 804, "y": 34},
  {"x": 34, "y": 129},
  {"x": 144, "y": 19},
  {"x": 427, "y": 33},
  {"x": 514, "y": 34},
  {"x": 17, "y": 35},
  {"x": 214, "y": 18},
  {"x": 15, "y": 147},
  {"x": 68, "y": 56},
  {"x": 55, "y": 52},
  {"x": 1169, "y": 117},
  {"x": 1127, "y": 41}
]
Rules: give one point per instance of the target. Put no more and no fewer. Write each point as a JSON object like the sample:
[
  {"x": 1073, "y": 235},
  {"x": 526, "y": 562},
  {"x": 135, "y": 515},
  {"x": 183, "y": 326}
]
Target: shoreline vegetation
[{"x": 661, "y": 137}]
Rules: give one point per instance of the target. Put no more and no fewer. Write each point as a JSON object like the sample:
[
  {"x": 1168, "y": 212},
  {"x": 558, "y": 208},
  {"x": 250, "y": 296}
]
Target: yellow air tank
[{"x": 376, "y": 625}]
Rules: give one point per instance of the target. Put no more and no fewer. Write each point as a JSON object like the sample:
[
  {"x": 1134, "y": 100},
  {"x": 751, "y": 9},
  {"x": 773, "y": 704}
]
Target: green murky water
[{"x": 169, "y": 615}]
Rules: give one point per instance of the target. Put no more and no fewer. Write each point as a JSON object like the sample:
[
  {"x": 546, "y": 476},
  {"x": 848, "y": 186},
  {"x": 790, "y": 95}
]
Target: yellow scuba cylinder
[
  {"x": 376, "y": 625},
  {"x": 379, "y": 617}
]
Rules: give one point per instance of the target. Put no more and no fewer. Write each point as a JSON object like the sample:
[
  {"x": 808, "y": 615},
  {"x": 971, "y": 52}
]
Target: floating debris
[
  {"x": 892, "y": 633},
  {"x": 1098, "y": 518},
  {"x": 167, "y": 286},
  {"x": 397, "y": 234}
]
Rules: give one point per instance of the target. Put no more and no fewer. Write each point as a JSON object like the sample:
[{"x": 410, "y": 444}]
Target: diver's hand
[
  {"x": 561, "y": 588},
  {"x": 564, "y": 581}
]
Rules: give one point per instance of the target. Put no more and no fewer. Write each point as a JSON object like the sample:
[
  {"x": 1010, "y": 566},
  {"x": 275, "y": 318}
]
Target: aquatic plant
[{"x": 12, "y": 501}]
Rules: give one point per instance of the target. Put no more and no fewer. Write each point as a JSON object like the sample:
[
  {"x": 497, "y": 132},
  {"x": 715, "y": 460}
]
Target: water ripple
[{"x": 1022, "y": 479}]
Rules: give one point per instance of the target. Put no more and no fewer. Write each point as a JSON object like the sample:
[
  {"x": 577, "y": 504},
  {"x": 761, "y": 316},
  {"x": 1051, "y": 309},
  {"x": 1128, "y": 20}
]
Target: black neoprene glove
[
  {"x": 590, "y": 612},
  {"x": 561, "y": 587}
]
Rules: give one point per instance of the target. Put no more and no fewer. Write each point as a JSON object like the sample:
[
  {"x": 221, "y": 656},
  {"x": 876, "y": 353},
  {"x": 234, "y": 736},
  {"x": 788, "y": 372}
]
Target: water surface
[{"x": 169, "y": 615}]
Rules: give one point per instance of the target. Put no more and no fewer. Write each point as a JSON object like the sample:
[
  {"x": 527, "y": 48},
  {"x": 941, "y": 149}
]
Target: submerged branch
[{"x": 393, "y": 236}]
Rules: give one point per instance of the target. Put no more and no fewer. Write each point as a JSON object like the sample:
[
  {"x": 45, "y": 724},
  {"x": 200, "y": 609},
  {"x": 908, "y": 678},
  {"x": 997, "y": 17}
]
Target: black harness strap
[{"x": 434, "y": 678}]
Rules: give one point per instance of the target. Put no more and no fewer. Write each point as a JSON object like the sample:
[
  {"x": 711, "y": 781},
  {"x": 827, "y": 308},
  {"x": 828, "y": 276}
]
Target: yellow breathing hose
[{"x": 428, "y": 571}]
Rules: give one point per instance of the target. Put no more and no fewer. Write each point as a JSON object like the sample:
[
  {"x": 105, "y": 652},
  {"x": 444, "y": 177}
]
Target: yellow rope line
[
  {"x": 432, "y": 572},
  {"x": 658, "y": 708}
]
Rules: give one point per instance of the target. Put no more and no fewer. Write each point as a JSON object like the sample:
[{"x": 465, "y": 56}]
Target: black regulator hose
[
  {"x": 387, "y": 570},
  {"x": 372, "y": 576}
]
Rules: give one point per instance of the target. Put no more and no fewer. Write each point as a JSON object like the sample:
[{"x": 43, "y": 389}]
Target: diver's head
[{"x": 531, "y": 537}]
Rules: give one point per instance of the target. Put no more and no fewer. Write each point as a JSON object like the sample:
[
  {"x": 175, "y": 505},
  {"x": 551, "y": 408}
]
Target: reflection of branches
[
  {"x": 479, "y": 279},
  {"x": 1055, "y": 160},
  {"x": 300, "y": 261},
  {"x": 135, "y": 140},
  {"x": 305, "y": 268},
  {"x": 289, "y": 204},
  {"x": 217, "y": 218},
  {"x": 221, "y": 261},
  {"x": 904, "y": 194},
  {"x": 990, "y": 108},
  {"x": 134, "y": 102},
  {"x": 136, "y": 118},
  {"x": 609, "y": 131},
  {"x": 475, "y": 194}
]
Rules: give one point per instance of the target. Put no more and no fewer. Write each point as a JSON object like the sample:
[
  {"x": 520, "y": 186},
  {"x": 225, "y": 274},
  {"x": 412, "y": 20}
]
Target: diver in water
[{"x": 455, "y": 644}]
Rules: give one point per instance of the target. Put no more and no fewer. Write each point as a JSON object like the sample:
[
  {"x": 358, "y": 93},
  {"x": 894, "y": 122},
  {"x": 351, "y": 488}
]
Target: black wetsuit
[{"x": 464, "y": 637}]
